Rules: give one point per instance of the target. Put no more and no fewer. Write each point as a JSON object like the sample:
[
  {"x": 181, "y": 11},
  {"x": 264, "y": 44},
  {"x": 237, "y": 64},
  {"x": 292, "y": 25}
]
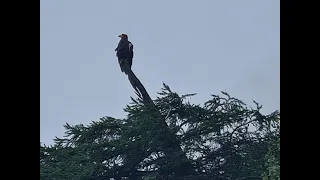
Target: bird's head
[{"x": 123, "y": 36}]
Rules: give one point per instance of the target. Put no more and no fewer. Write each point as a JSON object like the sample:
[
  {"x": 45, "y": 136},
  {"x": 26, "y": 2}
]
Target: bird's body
[{"x": 124, "y": 52}]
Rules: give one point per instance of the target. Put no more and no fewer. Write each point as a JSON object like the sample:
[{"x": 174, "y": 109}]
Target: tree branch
[
  {"x": 239, "y": 127},
  {"x": 187, "y": 167}
]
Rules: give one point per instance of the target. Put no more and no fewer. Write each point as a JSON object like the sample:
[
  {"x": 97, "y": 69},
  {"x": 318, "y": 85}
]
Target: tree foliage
[{"x": 223, "y": 139}]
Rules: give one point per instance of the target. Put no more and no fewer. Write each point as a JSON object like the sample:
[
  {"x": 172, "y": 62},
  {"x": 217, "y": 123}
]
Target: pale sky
[{"x": 203, "y": 47}]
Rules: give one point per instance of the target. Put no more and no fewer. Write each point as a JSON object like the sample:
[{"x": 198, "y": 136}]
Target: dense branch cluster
[{"x": 223, "y": 139}]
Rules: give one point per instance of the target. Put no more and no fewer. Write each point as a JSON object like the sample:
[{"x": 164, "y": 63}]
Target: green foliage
[
  {"x": 224, "y": 139},
  {"x": 273, "y": 161}
]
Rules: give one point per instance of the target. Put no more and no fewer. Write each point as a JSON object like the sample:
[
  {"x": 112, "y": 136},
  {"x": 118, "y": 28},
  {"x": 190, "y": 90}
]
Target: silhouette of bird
[{"x": 124, "y": 52}]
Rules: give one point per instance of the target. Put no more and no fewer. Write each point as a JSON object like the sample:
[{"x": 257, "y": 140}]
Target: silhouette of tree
[{"x": 169, "y": 138}]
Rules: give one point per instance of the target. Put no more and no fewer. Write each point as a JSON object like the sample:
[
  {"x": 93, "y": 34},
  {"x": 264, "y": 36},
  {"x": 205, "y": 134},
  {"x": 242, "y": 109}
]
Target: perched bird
[{"x": 124, "y": 52}]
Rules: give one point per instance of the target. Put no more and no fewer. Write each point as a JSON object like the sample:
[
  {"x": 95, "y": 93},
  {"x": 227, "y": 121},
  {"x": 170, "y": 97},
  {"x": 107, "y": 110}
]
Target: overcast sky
[{"x": 195, "y": 46}]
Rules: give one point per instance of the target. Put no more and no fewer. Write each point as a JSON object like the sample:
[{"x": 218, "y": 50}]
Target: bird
[{"x": 124, "y": 52}]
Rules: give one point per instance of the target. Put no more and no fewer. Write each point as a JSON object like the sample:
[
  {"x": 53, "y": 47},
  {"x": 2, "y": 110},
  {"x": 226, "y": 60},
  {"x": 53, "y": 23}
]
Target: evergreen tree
[{"x": 170, "y": 138}]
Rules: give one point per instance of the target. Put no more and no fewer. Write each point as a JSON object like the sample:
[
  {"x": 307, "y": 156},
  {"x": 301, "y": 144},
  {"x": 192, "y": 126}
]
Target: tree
[
  {"x": 224, "y": 140},
  {"x": 169, "y": 138},
  {"x": 273, "y": 160}
]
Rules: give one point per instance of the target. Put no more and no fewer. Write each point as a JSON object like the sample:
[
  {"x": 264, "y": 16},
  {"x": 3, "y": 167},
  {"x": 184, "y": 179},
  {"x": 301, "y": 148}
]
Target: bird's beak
[{"x": 120, "y": 35}]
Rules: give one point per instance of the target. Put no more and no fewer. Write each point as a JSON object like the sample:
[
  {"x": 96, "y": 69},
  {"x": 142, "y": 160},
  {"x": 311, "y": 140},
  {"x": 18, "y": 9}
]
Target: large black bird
[{"x": 124, "y": 52}]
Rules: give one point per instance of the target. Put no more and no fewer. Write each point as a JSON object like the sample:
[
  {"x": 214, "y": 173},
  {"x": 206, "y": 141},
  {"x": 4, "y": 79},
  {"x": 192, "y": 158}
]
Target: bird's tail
[{"x": 123, "y": 63}]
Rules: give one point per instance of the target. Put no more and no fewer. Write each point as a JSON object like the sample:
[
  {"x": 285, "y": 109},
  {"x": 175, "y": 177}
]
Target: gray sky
[{"x": 202, "y": 46}]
